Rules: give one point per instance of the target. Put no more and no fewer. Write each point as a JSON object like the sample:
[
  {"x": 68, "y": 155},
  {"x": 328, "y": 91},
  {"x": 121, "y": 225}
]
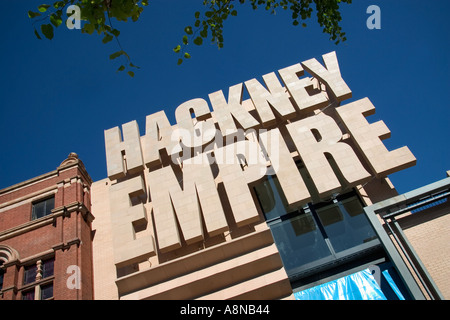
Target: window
[
  {"x": 271, "y": 198},
  {"x": 47, "y": 268},
  {"x": 28, "y": 295},
  {"x": 42, "y": 208},
  {"x": 40, "y": 274},
  {"x": 29, "y": 275},
  {"x": 345, "y": 224},
  {"x": 47, "y": 291},
  {"x": 318, "y": 234},
  {"x": 299, "y": 240}
]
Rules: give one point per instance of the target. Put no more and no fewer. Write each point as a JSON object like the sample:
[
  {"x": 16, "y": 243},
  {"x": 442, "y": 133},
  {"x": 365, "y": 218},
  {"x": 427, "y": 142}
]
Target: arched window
[{"x": 7, "y": 255}]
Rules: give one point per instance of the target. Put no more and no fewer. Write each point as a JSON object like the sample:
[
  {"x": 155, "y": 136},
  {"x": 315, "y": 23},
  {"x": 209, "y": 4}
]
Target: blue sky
[{"x": 58, "y": 96}]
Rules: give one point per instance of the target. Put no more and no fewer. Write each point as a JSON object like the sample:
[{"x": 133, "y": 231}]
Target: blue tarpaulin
[
  {"x": 391, "y": 282},
  {"x": 357, "y": 286}
]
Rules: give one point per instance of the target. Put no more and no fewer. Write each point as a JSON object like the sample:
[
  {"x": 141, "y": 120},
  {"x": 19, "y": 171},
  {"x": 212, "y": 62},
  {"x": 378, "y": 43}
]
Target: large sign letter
[
  {"x": 125, "y": 219},
  {"x": 331, "y": 76},
  {"x": 116, "y": 149},
  {"x": 368, "y": 139},
  {"x": 318, "y": 136},
  {"x": 227, "y": 112},
  {"x": 172, "y": 203}
]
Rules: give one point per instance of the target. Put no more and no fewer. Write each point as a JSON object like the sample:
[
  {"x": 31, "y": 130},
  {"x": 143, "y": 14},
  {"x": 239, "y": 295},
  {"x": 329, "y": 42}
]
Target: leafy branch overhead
[
  {"x": 209, "y": 22},
  {"x": 96, "y": 16}
]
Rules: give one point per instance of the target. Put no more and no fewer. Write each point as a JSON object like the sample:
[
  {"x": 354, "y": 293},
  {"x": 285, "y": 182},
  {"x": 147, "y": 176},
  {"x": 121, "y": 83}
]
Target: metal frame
[
  {"x": 388, "y": 210},
  {"x": 335, "y": 258}
]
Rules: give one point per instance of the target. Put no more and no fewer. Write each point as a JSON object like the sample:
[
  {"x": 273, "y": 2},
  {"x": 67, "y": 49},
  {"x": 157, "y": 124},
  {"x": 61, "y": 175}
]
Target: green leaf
[
  {"x": 145, "y": 2},
  {"x": 116, "y": 54},
  {"x": 47, "y": 31},
  {"x": 180, "y": 61},
  {"x": 234, "y": 13},
  {"x": 131, "y": 73},
  {"x": 185, "y": 39},
  {"x": 187, "y": 55},
  {"x": 177, "y": 48},
  {"x": 89, "y": 28},
  {"x": 37, "y": 34},
  {"x": 107, "y": 38},
  {"x": 198, "y": 41},
  {"x": 32, "y": 14},
  {"x": 121, "y": 68},
  {"x": 115, "y": 32},
  {"x": 58, "y": 4},
  {"x": 55, "y": 19},
  {"x": 135, "y": 16},
  {"x": 43, "y": 7},
  {"x": 188, "y": 30},
  {"x": 197, "y": 15}
]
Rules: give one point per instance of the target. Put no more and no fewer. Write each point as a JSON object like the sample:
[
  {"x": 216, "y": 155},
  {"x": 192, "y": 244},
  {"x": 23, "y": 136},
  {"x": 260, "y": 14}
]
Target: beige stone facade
[
  {"x": 240, "y": 263},
  {"x": 178, "y": 218},
  {"x": 430, "y": 237}
]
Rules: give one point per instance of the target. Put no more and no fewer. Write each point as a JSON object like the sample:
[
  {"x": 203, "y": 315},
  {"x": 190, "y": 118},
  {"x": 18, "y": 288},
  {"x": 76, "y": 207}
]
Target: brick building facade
[{"x": 45, "y": 236}]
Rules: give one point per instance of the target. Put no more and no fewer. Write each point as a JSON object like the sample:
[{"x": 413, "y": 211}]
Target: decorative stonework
[
  {"x": 71, "y": 158},
  {"x": 8, "y": 255}
]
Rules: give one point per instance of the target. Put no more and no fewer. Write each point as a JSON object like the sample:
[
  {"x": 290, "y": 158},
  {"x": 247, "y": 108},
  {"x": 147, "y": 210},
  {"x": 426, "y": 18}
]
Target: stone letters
[
  {"x": 126, "y": 219},
  {"x": 313, "y": 149},
  {"x": 368, "y": 139},
  {"x": 176, "y": 169}
]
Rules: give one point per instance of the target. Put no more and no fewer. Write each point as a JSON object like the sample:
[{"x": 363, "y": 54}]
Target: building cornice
[
  {"x": 28, "y": 197},
  {"x": 63, "y": 211},
  {"x": 70, "y": 162}
]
